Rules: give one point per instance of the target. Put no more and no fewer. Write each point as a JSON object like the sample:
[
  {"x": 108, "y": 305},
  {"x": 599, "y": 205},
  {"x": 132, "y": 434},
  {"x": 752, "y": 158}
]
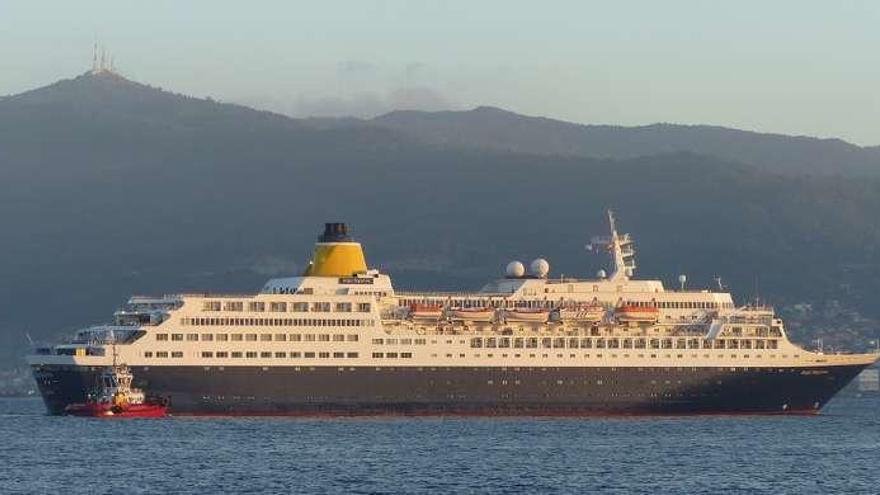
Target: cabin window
[
  {"x": 343, "y": 307},
  {"x": 250, "y": 337},
  {"x": 574, "y": 343},
  {"x": 211, "y": 306},
  {"x": 251, "y": 354},
  {"x": 363, "y": 307},
  {"x": 338, "y": 337},
  {"x": 547, "y": 342},
  {"x": 281, "y": 354},
  {"x": 161, "y": 336},
  {"x": 378, "y": 355},
  {"x": 392, "y": 355},
  {"x": 352, "y": 354},
  {"x": 559, "y": 342},
  {"x": 504, "y": 342},
  {"x": 309, "y": 355},
  {"x": 707, "y": 344},
  {"x": 177, "y": 337},
  {"x": 207, "y": 354},
  {"x": 600, "y": 343},
  {"x": 222, "y": 337},
  {"x": 719, "y": 344},
  {"x": 265, "y": 354},
  {"x": 207, "y": 337},
  {"x": 655, "y": 343},
  {"x": 476, "y": 342},
  {"x": 324, "y": 337},
  {"x": 148, "y": 354},
  {"x": 321, "y": 307},
  {"x": 265, "y": 337},
  {"x": 759, "y": 344},
  {"x": 162, "y": 354},
  {"x": 256, "y": 306},
  {"x": 627, "y": 343},
  {"x": 772, "y": 344},
  {"x": 491, "y": 342},
  {"x": 640, "y": 343},
  {"x": 192, "y": 337},
  {"x": 177, "y": 354},
  {"x": 300, "y": 307},
  {"x": 406, "y": 355},
  {"x": 587, "y": 343},
  {"x": 681, "y": 344},
  {"x": 234, "y": 306},
  {"x": 278, "y": 307},
  {"x": 532, "y": 343},
  {"x": 222, "y": 354},
  {"x": 518, "y": 342},
  {"x": 280, "y": 337},
  {"x": 236, "y": 354}
]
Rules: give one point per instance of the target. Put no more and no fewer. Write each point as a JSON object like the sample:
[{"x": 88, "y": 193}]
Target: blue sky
[{"x": 792, "y": 67}]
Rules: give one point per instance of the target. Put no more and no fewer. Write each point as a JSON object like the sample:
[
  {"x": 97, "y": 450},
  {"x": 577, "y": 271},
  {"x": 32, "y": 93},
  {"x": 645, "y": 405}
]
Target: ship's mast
[{"x": 618, "y": 265}]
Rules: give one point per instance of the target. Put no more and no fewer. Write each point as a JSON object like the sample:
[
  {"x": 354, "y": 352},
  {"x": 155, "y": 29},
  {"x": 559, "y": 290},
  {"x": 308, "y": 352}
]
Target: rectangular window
[
  {"x": 338, "y": 355},
  {"x": 251, "y": 354},
  {"x": 265, "y": 337},
  {"x": 177, "y": 337},
  {"x": 250, "y": 337},
  {"x": 256, "y": 306},
  {"x": 211, "y": 306},
  {"x": 363, "y": 307},
  {"x": 324, "y": 355},
  {"x": 207, "y": 337},
  {"x": 177, "y": 354},
  {"x": 324, "y": 337},
  {"x": 161, "y": 336},
  {"x": 351, "y": 337},
  {"x": 236, "y": 354},
  {"x": 339, "y": 338},
  {"x": 392, "y": 355},
  {"x": 310, "y": 337},
  {"x": 352, "y": 354},
  {"x": 309, "y": 355},
  {"x": 207, "y": 354},
  {"x": 222, "y": 354},
  {"x": 222, "y": 337},
  {"x": 234, "y": 306},
  {"x": 278, "y": 307},
  {"x": 265, "y": 354},
  {"x": 148, "y": 354},
  {"x": 295, "y": 354},
  {"x": 300, "y": 307},
  {"x": 343, "y": 307},
  {"x": 295, "y": 337},
  {"x": 378, "y": 355},
  {"x": 280, "y": 354},
  {"x": 192, "y": 337},
  {"x": 162, "y": 354},
  {"x": 321, "y": 307},
  {"x": 406, "y": 355}
]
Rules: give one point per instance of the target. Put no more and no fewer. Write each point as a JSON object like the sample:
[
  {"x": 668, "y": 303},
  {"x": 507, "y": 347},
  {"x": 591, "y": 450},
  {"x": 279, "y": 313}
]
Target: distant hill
[
  {"x": 495, "y": 129},
  {"x": 109, "y": 187}
]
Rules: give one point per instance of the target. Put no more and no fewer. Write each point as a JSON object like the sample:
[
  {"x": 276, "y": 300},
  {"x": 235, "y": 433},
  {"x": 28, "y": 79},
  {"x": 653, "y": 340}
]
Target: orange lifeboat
[
  {"x": 527, "y": 314},
  {"x": 426, "y": 311},
  {"x": 474, "y": 314},
  {"x": 637, "y": 314}
]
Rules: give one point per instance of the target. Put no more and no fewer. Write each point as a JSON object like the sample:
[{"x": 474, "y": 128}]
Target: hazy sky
[{"x": 796, "y": 67}]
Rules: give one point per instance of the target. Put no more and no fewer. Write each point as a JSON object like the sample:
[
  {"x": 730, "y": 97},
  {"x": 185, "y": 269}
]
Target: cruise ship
[{"x": 340, "y": 340}]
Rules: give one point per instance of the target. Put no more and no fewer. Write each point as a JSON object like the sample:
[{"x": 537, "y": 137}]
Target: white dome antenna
[
  {"x": 539, "y": 268},
  {"x": 682, "y": 279},
  {"x": 515, "y": 269}
]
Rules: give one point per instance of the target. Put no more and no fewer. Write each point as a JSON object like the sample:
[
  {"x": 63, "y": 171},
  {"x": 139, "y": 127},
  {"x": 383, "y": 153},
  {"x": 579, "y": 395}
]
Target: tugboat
[{"x": 114, "y": 397}]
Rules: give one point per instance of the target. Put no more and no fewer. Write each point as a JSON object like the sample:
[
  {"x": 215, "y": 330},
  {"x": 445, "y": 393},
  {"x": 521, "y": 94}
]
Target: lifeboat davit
[
  {"x": 473, "y": 314},
  {"x": 527, "y": 314},
  {"x": 426, "y": 311},
  {"x": 592, "y": 313},
  {"x": 637, "y": 314}
]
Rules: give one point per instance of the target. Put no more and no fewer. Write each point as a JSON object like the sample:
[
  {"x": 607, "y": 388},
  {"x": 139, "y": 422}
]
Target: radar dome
[
  {"x": 539, "y": 268},
  {"x": 515, "y": 269},
  {"x": 601, "y": 274}
]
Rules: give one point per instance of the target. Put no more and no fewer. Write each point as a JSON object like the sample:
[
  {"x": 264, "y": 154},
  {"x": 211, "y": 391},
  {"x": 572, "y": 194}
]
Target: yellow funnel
[{"x": 336, "y": 255}]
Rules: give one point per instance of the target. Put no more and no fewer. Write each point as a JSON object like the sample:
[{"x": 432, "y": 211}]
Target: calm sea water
[{"x": 837, "y": 452}]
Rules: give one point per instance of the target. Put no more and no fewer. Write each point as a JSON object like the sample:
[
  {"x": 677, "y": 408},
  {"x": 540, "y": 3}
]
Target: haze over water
[{"x": 836, "y": 452}]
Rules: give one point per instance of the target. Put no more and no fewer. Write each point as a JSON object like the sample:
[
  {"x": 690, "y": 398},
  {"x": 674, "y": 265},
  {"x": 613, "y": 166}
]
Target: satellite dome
[
  {"x": 601, "y": 274},
  {"x": 515, "y": 269},
  {"x": 539, "y": 268}
]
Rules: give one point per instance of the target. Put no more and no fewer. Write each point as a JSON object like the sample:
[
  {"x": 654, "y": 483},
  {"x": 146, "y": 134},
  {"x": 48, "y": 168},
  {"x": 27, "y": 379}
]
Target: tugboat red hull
[{"x": 95, "y": 410}]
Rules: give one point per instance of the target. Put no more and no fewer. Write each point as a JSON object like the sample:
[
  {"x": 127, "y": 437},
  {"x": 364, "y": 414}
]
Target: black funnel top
[{"x": 335, "y": 232}]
